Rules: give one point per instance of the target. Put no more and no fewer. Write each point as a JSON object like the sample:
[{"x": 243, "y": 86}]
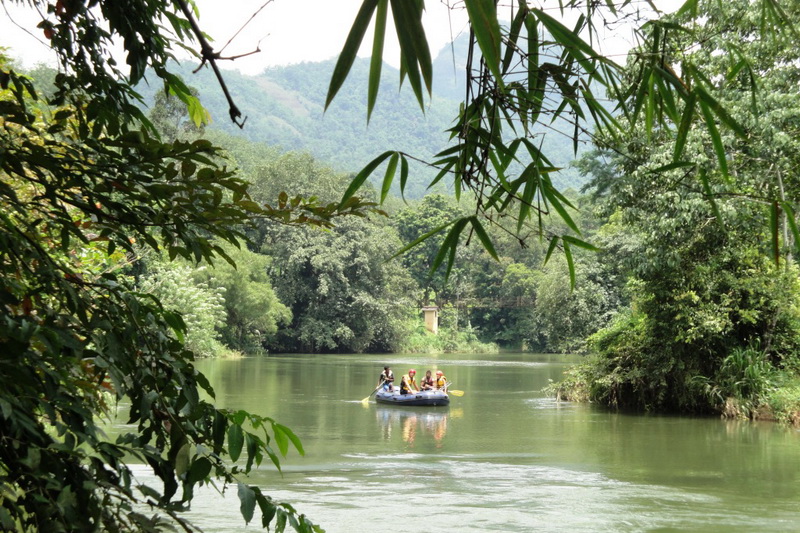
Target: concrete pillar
[{"x": 431, "y": 319}]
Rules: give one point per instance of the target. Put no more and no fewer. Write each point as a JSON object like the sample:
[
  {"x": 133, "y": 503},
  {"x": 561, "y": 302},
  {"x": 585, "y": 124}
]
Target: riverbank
[{"x": 777, "y": 398}]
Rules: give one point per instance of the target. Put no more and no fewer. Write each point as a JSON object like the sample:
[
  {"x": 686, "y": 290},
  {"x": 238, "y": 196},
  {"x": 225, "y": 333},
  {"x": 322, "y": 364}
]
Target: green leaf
[
  {"x": 362, "y": 176},
  {"x": 530, "y": 176},
  {"x": 513, "y": 35},
  {"x": 721, "y": 113},
  {"x": 423, "y": 238},
  {"x": 199, "y": 471},
  {"x": 449, "y": 244},
  {"x": 350, "y": 49},
  {"x": 710, "y": 197},
  {"x": 792, "y": 223},
  {"x": 570, "y": 265},
  {"x": 551, "y": 248},
  {"x": 182, "y": 460},
  {"x": 716, "y": 140},
  {"x": 391, "y": 168},
  {"x": 688, "y": 8},
  {"x": 403, "y": 175},
  {"x": 415, "y": 52},
  {"x": 483, "y": 237},
  {"x": 483, "y": 21},
  {"x": 267, "y": 507},
  {"x": 683, "y": 128},
  {"x": 247, "y": 499},
  {"x": 253, "y": 451},
  {"x": 376, "y": 61},
  {"x": 292, "y": 437},
  {"x": 673, "y": 166},
  {"x": 235, "y": 441},
  {"x": 555, "y": 199},
  {"x": 218, "y": 430},
  {"x": 281, "y": 439},
  {"x": 579, "y": 243},
  {"x": 774, "y": 217}
]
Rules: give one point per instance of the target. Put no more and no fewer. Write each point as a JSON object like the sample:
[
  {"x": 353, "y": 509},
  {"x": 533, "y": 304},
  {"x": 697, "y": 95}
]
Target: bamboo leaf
[
  {"x": 580, "y": 243},
  {"x": 391, "y": 168},
  {"x": 555, "y": 201},
  {"x": 532, "y": 27},
  {"x": 362, "y": 176},
  {"x": 530, "y": 176},
  {"x": 376, "y": 61},
  {"x": 483, "y": 237},
  {"x": 550, "y": 249},
  {"x": 683, "y": 128},
  {"x": 688, "y": 8},
  {"x": 720, "y": 112},
  {"x": 570, "y": 265},
  {"x": 423, "y": 238},
  {"x": 449, "y": 245},
  {"x": 513, "y": 35},
  {"x": 774, "y": 217},
  {"x": 673, "y": 166},
  {"x": 403, "y": 175},
  {"x": 792, "y": 223},
  {"x": 716, "y": 139},
  {"x": 350, "y": 49},
  {"x": 483, "y": 21},
  {"x": 413, "y": 44},
  {"x": 710, "y": 197}
]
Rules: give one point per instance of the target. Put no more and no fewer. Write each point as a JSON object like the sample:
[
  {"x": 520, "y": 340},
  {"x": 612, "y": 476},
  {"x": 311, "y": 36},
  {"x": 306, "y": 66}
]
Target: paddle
[
  {"x": 365, "y": 400},
  {"x": 455, "y": 392}
]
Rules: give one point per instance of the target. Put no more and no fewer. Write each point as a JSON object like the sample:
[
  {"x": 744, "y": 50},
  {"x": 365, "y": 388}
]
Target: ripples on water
[{"x": 501, "y": 458}]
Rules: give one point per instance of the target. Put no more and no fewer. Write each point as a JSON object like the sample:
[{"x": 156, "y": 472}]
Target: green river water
[{"x": 501, "y": 458}]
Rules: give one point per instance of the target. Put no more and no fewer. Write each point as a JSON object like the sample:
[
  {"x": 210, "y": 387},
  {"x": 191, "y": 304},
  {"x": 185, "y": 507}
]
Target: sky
[{"x": 287, "y": 31}]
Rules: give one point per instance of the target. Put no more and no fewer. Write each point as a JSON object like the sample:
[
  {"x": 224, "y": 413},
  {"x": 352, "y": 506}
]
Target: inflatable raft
[{"x": 422, "y": 398}]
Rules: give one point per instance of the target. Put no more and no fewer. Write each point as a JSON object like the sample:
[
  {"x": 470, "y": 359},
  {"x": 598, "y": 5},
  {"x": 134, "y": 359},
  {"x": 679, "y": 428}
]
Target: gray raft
[{"x": 422, "y": 398}]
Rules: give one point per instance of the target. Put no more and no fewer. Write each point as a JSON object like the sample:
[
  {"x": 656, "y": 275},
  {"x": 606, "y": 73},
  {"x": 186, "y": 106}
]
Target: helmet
[
  {"x": 439, "y": 373},
  {"x": 412, "y": 371}
]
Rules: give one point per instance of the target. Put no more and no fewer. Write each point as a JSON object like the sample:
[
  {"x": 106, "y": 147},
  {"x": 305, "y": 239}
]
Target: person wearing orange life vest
[
  {"x": 408, "y": 385},
  {"x": 441, "y": 381}
]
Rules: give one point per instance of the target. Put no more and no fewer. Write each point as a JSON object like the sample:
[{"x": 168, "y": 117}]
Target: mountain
[{"x": 284, "y": 107}]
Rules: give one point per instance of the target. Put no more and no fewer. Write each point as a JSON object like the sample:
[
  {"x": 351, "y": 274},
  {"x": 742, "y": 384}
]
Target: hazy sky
[{"x": 289, "y": 31}]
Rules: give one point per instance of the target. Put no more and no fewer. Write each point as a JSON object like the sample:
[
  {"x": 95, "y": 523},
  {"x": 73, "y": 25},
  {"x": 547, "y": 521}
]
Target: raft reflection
[{"x": 413, "y": 423}]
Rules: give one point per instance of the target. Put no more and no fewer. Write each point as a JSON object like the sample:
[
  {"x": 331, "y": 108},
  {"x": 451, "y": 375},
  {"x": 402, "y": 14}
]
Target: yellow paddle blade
[
  {"x": 365, "y": 400},
  {"x": 456, "y": 392}
]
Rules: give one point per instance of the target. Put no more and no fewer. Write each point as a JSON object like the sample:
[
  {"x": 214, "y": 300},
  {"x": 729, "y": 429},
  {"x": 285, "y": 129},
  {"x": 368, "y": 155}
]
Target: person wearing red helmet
[
  {"x": 408, "y": 385},
  {"x": 441, "y": 381}
]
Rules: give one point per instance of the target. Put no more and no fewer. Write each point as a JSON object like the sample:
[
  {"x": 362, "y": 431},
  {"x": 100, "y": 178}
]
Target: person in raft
[
  {"x": 408, "y": 385},
  {"x": 386, "y": 378},
  {"x": 427, "y": 381},
  {"x": 441, "y": 381}
]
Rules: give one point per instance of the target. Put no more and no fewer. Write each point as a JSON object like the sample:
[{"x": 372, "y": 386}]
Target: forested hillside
[{"x": 285, "y": 108}]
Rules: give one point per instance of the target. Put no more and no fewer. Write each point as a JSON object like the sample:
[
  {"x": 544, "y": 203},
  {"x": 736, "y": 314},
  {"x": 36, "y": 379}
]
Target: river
[{"x": 503, "y": 457}]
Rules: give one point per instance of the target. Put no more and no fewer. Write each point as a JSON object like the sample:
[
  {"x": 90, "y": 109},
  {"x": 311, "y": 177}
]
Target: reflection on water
[
  {"x": 428, "y": 422},
  {"x": 501, "y": 458}
]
